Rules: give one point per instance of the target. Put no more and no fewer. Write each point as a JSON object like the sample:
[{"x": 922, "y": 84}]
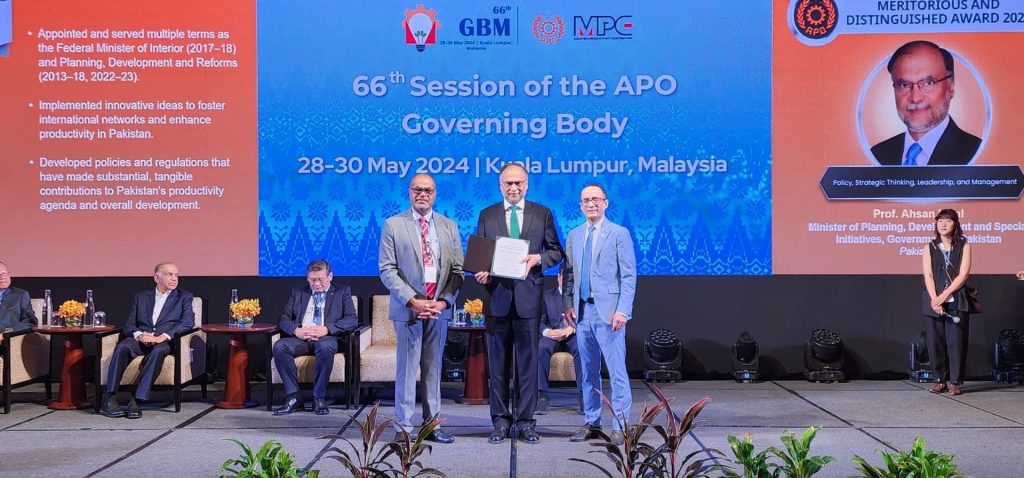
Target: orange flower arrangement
[
  {"x": 71, "y": 311},
  {"x": 245, "y": 310},
  {"x": 474, "y": 307}
]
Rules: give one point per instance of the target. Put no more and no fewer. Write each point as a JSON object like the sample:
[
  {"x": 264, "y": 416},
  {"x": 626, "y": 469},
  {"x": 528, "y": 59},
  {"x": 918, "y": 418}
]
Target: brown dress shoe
[
  {"x": 938, "y": 388},
  {"x": 954, "y": 390}
]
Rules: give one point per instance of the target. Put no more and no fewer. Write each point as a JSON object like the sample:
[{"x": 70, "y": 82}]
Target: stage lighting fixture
[
  {"x": 823, "y": 357},
  {"x": 1008, "y": 356},
  {"x": 745, "y": 358},
  {"x": 456, "y": 350},
  {"x": 663, "y": 355},
  {"x": 920, "y": 364}
]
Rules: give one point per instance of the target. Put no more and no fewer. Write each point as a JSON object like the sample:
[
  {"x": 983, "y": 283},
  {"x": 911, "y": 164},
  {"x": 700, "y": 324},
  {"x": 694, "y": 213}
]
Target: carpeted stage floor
[{"x": 984, "y": 428}]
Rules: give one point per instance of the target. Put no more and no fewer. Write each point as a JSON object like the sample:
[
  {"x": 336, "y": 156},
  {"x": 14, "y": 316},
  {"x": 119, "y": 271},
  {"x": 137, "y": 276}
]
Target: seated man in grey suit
[
  {"x": 15, "y": 306},
  {"x": 155, "y": 317},
  {"x": 556, "y": 335},
  {"x": 311, "y": 322}
]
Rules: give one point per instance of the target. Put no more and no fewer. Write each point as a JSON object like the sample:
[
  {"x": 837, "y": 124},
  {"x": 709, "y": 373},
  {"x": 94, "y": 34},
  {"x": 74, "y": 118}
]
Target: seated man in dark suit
[
  {"x": 15, "y": 306},
  {"x": 556, "y": 336},
  {"x": 314, "y": 317},
  {"x": 155, "y": 317}
]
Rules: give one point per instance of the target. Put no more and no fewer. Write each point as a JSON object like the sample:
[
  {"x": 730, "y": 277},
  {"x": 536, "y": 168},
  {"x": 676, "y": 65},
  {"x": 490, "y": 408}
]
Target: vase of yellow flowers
[
  {"x": 475, "y": 310},
  {"x": 245, "y": 311},
  {"x": 71, "y": 312}
]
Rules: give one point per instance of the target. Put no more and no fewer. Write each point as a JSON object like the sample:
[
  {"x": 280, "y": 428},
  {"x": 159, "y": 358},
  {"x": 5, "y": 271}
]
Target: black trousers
[
  {"x": 129, "y": 348},
  {"x": 505, "y": 335},
  {"x": 287, "y": 348},
  {"x": 947, "y": 345}
]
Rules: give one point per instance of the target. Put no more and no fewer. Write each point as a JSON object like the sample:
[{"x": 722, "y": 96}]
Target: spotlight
[
  {"x": 745, "y": 358},
  {"x": 920, "y": 364},
  {"x": 663, "y": 355},
  {"x": 456, "y": 349},
  {"x": 1008, "y": 356},
  {"x": 823, "y": 357}
]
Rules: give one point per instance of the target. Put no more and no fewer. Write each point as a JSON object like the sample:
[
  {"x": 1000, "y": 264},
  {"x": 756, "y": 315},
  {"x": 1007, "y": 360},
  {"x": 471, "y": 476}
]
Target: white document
[{"x": 508, "y": 257}]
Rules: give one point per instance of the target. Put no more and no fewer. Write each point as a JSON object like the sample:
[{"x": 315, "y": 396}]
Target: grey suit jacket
[
  {"x": 401, "y": 262},
  {"x": 16, "y": 310}
]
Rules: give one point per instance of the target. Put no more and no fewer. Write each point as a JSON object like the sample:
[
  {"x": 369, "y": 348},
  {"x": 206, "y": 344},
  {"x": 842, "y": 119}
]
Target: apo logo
[
  {"x": 602, "y": 27},
  {"x": 421, "y": 27},
  {"x": 548, "y": 30},
  {"x": 815, "y": 19}
]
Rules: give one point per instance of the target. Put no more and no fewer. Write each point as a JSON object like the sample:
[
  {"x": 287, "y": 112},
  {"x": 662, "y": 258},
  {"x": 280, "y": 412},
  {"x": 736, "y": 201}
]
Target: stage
[{"x": 984, "y": 427}]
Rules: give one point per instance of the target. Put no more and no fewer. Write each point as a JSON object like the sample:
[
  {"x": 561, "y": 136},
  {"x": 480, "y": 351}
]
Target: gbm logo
[{"x": 485, "y": 27}]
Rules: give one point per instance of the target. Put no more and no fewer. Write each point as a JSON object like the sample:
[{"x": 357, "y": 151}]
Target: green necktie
[{"x": 513, "y": 223}]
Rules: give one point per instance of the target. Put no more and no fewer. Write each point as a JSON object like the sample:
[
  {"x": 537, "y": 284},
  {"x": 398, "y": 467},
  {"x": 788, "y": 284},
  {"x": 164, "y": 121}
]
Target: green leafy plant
[
  {"x": 795, "y": 460},
  {"x": 270, "y": 461},
  {"x": 635, "y": 458},
  {"x": 755, "y": 465},
  {"x": 370, "y": 458},
  {"x": 916, "y": 462},
  {"x": 408, "y": 451}
]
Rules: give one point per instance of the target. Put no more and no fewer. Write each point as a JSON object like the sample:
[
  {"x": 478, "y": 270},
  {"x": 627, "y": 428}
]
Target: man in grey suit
[
  {"x": 15, "y": 306},
  {"x": 516, "y": 304},
  {"x": 421, "y": 265},
  {"x": 600, "y": 281}
]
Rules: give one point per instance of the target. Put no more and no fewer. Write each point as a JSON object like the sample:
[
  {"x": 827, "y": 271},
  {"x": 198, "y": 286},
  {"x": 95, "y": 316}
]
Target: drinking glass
[{"x": 99, "y": 319}]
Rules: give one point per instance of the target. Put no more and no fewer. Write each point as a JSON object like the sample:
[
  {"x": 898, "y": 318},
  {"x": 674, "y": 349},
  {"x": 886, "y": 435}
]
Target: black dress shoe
[
  {"x": 498, "y": 435},
  {"x": 617, "y": 437},
  {"x": 440, "y": 436},
  {"x": 529, "y": 435},
  {"x": 133, "y": 409},
  {"x": 320, "y": 407},
  {"x": 111, "y": 408},
  {"x": 586, "y": 432},
  {"x": 543, "y": 405},
  {"x": 291, "y": 404}
]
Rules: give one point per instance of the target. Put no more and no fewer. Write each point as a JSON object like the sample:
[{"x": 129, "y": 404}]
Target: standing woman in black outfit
[{"x": 947, "y": 264}]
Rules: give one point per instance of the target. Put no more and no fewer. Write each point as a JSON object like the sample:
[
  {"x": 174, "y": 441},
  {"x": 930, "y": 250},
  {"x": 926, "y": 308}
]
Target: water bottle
[
  {"x": 44, "y": 321},
  {"x": 231, "y": 315},
  {"x": 90, "y": 309}
]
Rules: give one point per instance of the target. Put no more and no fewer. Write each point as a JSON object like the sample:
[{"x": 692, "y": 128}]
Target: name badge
[{"x": 430, "y": 273}]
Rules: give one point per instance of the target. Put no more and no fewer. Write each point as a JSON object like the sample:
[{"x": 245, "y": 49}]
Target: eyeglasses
[
  {"x": 926, "y": 85},
  {"x": 517, "y": 184},
  {"x": 586, "y": 201},
  {"x": 418, "y": 191},
  {"x": 5, "y": 274},
  {"x": 318, "y": 279}
]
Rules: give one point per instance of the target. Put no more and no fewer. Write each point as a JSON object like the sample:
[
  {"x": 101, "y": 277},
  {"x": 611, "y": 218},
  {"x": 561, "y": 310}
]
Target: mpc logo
[{"x": 602, "y": 27}]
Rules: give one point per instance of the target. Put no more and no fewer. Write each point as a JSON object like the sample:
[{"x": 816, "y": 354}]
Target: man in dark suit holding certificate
[
  {"x": 156, "y": 316},
  {"x": 516, "y": 304}
]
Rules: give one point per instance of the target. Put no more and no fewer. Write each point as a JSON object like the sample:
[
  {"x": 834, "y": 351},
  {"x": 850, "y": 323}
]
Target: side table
[
  {"x": 72, "y": 372},
  {"x": 475, "y": 391},
  {"x": 236, "y": 390}
]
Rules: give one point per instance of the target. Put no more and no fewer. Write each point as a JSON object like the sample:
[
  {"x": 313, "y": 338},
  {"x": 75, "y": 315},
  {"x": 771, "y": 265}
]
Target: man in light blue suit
[
  {"x": 421, "y": 265},
  {"x": 600, "y": 282}
]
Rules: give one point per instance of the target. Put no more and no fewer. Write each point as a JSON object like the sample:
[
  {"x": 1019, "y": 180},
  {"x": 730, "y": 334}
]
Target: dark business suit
[
  {"x": 956, "y": 147},
  {"x": 515, "y": 312},
  {"x": 176, "y": 317},
  {"x": 16, "y": 311},
  {"x": 339, "y": 316},
  {"x": 553, "y": 318}
]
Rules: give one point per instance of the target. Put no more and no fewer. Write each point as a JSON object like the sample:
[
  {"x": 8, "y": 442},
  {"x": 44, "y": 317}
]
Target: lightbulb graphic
[{"x": 421, "y": 27}]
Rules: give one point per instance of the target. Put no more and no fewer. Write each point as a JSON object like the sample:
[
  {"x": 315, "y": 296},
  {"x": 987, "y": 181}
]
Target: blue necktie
[
  {"x": 318, "y": 300},
  {"x": 915, "y": 149},
  {"x": 585, "y": 269}
]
